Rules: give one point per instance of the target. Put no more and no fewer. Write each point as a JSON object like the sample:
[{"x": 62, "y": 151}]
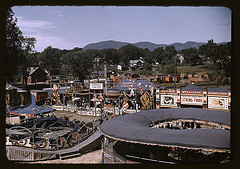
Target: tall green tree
[
  {"x": 13, "y": 46},
  {"x": 77, "y": 63},
  {"x": 191, "y": 56},
  {"x": 147, "y": 56},
  {"x": 207, "y": 50},
  {"x": 169, "y": 69},
  {"x": 27, "y": 56},
  {"x": 158, "y": 54},
  {"x": 170, "y": 52},
  {"x": 222, "y": 59},
  {"x": 50, "y": 58},
  {"x": 130, "y": 52},
  {"x": 220, "y": 55},
  {"x": 111, "y": 56}
]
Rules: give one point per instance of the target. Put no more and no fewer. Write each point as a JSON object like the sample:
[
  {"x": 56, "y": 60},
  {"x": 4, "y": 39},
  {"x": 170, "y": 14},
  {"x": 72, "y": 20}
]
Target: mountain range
[{"x": 149, "y": 45}]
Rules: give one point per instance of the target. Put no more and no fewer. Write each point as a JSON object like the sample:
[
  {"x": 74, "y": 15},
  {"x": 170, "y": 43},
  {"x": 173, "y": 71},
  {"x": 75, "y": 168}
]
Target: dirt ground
[
  {"x": 72, "y": 116},
  {"x": 93, "y": 157}
]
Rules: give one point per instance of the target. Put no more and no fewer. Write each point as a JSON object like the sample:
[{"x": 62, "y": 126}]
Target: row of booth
[
  {"x": 218, "y": 98},
  {"x": 209, "y": 98}
]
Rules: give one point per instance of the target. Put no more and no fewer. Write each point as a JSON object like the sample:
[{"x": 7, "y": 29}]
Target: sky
[{"x": 67, "y": 27}]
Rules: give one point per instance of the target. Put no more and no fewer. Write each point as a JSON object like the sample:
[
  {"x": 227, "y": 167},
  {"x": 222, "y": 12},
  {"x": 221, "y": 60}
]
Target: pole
[
  {"x": 89, "y": 97},
  {"x": 95, "y": 109},
  {"x": 96, "y": 61},
  {"x": 105, "y": 74},
  {"x": 175, "y": 72}
]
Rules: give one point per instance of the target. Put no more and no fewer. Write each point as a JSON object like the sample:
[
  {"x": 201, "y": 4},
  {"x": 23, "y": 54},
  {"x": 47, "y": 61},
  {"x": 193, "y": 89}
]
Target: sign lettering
[{"x": 192, "y": 100}]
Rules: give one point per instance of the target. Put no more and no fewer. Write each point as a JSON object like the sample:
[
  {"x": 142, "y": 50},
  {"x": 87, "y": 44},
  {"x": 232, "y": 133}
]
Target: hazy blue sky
[{"x": 68, "y": 27}]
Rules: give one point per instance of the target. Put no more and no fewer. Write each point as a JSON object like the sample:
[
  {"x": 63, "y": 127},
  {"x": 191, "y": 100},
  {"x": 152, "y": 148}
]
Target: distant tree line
[{"x": 79, "y": 62}]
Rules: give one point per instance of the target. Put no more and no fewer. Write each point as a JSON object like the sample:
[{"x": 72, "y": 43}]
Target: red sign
[
  {"x": 168, "y": 91},
  {"x": 125, "y": 105},
  {"x": 217, "y": 93},
  {"x": 191, "y": 92}
]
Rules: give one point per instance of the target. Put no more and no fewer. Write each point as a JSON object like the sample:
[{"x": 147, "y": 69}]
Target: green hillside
[{"x": 207, "y": 68}]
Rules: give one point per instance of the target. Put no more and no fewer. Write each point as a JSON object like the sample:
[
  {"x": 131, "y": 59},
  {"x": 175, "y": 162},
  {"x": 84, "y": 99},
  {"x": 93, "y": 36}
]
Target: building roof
[
  {"x": 135, "y": 84},
  {"x": 11, "y": 87},
  {"x": 134, "y": 61},
  {"x": 98, "y": 72},
  {"x": 192, "y": 88},
  {"x": 34, "y": 69},
  {"x": 136, "y": 128},
  {"x": 219, "y": 89}
]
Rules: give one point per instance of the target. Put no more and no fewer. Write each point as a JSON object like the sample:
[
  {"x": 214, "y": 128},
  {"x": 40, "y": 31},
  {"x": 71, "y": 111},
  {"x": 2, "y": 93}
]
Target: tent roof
[
  {"x": 192, "y": 88},
  {"x": 128, "y": 83},
  {"x": 33, "y": 109},
  {"x": 135, "y": 128},
  {"x": 218, "y": 89}
]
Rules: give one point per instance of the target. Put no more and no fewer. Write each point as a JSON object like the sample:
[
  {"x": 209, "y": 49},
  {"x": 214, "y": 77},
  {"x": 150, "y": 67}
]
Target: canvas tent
[
  {"x": 32, "y": 110},
  {"x": 219, "y": 89},
  {"x": 192, "y": 88}
]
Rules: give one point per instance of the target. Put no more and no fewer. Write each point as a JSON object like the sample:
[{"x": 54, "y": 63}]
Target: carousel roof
[
  {"x": 33, "y": 109},
  {"x": 136, "y": 128}
]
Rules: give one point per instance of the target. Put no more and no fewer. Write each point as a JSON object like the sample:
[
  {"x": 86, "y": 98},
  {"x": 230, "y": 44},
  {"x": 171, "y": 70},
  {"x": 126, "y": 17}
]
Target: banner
[
  {"x": 168, "y": 100},
  {"x": 218, "y": 103},
  {"x": 97, "y": 86},
  {"x": 192, "y": 100}
]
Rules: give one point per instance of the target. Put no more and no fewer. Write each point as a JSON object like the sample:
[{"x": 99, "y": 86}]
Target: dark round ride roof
[{"x": 135, "y": 128}]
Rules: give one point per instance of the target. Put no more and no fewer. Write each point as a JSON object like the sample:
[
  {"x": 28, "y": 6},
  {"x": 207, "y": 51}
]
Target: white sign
[
  {"x": 168, "y": 100},
  {"x": 192, "y": 100},
  {"x": 218, "y": 103},
  {"x": 96, "y": 86}
]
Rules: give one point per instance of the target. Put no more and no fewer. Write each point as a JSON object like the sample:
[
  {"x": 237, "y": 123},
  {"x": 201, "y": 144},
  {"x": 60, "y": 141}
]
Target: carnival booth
[
  {"x": 32, "y": 110},
  {"x": 112, "y": 98},
  {"x": 137, "y": 94},
  {"x": 169, "y": 98},
  {"x": 15, "y": 96},
  {"x": 219, "y": 98},
  {"x": 192, "y": 95},
  {"x": 40, "y": 96}
]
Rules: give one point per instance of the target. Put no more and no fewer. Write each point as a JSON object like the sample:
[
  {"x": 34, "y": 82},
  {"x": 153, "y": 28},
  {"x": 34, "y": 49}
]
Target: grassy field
[{"x": 209, "y": 68}]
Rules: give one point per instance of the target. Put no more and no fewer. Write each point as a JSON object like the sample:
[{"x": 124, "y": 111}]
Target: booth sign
[
  {"x": 97, "y": 86},
  {"x": 218, "y": 103},
  {"x": 168, "y": 100},
  {"x": 192, "y": 100}
]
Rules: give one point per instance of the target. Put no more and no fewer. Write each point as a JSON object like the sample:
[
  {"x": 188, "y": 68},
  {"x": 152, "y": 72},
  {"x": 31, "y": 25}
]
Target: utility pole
[
  {"x": 105, "y": 74},
  {"x": 175, "y": 59},
  {"x": 96, "y": 62}
]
